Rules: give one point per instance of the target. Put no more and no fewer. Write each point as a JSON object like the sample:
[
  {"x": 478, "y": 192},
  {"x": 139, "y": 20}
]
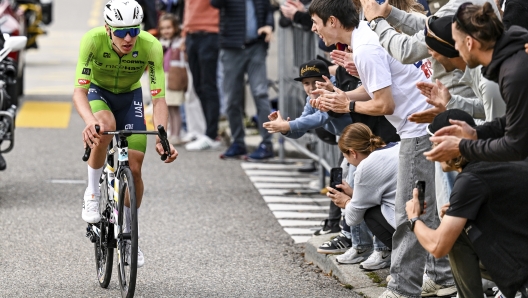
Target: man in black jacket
[
  {"x": 481, "y": 40},
  {"x": 484, "y": 222},
  {"x": 246, "y": 27}
]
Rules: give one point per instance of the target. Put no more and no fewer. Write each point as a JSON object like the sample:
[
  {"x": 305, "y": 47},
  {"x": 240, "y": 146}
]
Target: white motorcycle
[{"x": 8, "y": 76}]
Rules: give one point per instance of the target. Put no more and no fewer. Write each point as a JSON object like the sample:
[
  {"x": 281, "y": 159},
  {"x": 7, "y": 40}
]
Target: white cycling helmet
[{"x": 123, "y": 13}]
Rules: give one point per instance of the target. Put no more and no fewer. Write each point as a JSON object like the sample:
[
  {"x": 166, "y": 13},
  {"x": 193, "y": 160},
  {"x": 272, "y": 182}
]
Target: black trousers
[{"x": 379, "y": 226}]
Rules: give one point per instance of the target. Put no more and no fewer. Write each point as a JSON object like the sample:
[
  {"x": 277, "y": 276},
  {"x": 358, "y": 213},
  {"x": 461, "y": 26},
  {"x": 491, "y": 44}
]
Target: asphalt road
[{"x": 205, "y": 230}]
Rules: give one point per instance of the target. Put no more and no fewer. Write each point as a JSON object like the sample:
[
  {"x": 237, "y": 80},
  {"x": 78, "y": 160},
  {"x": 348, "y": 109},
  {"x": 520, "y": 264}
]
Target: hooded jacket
[{"x": 505, "y": 138}]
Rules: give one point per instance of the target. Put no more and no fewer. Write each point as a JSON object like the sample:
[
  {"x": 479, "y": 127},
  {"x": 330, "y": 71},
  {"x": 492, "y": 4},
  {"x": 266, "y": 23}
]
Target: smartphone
[
  {"x": 336, "y": 177},
  {"x": 420, "y": 185},
  {"x": 380, "y": 1}
]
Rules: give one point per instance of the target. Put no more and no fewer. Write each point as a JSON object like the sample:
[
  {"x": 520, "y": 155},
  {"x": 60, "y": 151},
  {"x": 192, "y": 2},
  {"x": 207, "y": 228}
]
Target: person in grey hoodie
[{"x": 481, "y": 40}]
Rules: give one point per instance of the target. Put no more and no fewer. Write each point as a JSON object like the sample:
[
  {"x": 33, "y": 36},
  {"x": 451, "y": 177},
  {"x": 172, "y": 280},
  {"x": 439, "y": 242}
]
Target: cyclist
[{"x": 107, "y": 93}]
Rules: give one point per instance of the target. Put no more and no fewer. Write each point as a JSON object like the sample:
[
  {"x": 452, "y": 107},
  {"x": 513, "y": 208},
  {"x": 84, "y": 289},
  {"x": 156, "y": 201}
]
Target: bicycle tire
[
  {"x": 104, "y": 252},
  {"x": 127, "y": 282}
]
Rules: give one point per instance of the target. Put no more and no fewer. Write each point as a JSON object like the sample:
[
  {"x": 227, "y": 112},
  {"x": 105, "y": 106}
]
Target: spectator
[
  {"x": 441, "y": 46},
  {"x": 200, "y": 26},
  {"x": 246, "y": 29},
  {"x": 373, "y": 196},
  {"x": 482, "y": 222},
  {"x": 481, "y": 40},
  {"x": 150, "y": 21},
  {"x": 176, "y": 80},
  {"x": 515, "y": 13},
  {"x": 388, "y": 89}
]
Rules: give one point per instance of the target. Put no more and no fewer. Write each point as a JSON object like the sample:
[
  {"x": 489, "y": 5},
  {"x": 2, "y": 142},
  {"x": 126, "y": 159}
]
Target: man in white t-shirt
[{"x": 389, "y": 88}]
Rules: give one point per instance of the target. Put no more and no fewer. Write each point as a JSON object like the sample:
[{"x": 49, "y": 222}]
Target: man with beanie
[
  {"x": 482, "y": 222},
  {"x": 441, "y": 46}
]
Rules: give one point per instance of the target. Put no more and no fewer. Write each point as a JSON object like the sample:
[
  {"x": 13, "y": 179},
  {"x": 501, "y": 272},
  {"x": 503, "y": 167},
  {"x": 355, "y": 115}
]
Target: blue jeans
[
  {"x": 360, "y": 234},
  {"x": 237, "y": 62},
  {"x": 409, "y": 258}
]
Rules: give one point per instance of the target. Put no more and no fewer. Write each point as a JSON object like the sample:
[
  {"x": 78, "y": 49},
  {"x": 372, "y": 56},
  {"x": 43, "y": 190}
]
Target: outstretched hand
[
  {"x": 459, "y": 129},
  {"x": 277, "y": 123},
  {"x": 372, "y": 9},
  {"x": 336, "y": 101},
  {"x": 326, "y": 85},
  {"x": 345, "y": 60}
]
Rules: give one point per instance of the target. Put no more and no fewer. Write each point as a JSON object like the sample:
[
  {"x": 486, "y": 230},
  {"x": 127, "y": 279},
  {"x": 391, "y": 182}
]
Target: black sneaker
[
  {"x": 337, "y": 245},
  {"x": 328, "y": 227}
]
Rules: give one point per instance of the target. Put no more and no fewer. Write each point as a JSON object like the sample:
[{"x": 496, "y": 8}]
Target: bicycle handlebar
[{"x": 161, "y": 133}]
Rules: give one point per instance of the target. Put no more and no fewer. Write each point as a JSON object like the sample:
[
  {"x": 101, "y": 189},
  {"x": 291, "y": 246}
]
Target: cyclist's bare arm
[{"x": 160, "y": 116}]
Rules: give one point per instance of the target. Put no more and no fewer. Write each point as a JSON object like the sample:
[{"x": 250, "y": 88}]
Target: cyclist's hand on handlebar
[
  {"x": 173, "y": 152},
  {"x": 90, "y": 135}
]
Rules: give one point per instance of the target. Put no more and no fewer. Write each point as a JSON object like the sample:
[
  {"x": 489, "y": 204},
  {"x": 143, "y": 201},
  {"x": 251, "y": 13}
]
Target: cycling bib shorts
[{"x": 127, "y": 109}]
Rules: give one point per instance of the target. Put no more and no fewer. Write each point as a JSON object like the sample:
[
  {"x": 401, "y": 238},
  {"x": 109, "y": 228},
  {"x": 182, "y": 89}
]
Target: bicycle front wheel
[
  {"x": 127, "y": 245},
  {"x": 104, "y": 252}
]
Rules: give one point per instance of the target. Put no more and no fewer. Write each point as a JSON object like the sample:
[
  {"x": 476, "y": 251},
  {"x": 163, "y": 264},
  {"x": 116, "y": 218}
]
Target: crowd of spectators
[{"x": 410, "y": 97}]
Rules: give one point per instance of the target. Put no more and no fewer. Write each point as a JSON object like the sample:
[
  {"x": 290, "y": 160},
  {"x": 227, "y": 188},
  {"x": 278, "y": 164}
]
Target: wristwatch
[
  {"x": 352, "y": 106},
  {"x": 412, "y": 222},
  {"x": 374, "y": 22}
]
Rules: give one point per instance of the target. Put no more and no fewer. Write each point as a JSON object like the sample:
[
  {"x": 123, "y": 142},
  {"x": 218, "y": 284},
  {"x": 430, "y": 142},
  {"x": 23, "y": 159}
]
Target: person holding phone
[
  {"x": 481, "y": 223},
  {"x": 372, "y": 199}
]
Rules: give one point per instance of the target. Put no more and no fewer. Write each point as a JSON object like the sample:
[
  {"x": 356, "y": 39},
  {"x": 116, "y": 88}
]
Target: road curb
[{"x": 349, "y": 275}]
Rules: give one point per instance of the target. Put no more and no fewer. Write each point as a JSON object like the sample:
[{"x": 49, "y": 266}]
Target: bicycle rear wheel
[
  {"x": 103, "y": 246},
  {"x": 127, "y": 245}
]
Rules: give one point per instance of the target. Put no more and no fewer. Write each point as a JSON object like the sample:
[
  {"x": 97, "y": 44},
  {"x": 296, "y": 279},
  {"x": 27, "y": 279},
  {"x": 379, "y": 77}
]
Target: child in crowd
[{"x": 175, "y": 73}]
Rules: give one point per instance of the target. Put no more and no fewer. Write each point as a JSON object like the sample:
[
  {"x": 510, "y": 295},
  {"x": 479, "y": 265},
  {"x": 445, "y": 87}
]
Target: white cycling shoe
[{"x": 90, "y": 211}]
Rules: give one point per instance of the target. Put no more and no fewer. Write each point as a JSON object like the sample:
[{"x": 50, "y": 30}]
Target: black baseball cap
[
  {"x": 312, "y": 69},
  {"x": 442, "y": 120},
  {"x": 438, "y": 36}
]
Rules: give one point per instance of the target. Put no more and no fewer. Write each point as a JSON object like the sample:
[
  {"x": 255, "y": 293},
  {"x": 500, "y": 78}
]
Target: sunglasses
[
  {"x": 458, "y": 15},
  {"x": 431, "y": 34},
  {"x": 122, "y": 32}
]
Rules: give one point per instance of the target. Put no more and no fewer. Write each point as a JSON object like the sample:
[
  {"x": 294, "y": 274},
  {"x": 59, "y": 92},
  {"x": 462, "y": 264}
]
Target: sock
[
  {"x": 93, "y": 181},
  {"x": 347, "y": 234}
]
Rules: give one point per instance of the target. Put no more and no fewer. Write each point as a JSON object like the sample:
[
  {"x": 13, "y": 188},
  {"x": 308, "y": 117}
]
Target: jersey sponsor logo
[
  {"x": 134, "y": 54},
  {"x": 83, "y": 82},
  {"x": 88, "y": 60},
  {"x": 129, "y": 126},
  {"x": 425, "y": 66},
  {"x": 152, "y": 72},
  {"x": 138, "y": 109},
  {"x": 155, "y": 92},
  {"x": 133, "y": 61},
  {"x": 106, "y": 55},
  {"x": 98, "y": 63},
  {"x": 86, "y": 71},
  {"x": 136, "y": 13}
]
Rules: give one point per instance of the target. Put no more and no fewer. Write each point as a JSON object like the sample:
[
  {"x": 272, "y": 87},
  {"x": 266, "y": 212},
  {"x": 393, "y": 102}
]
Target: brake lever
[{"x": 88, "y": 150}]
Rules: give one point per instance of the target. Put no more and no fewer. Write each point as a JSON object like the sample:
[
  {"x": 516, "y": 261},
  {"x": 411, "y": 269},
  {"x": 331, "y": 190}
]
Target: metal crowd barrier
[{"x": 296, "y": 46}]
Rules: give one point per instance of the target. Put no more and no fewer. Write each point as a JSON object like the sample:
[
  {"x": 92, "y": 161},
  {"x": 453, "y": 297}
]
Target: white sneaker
[
  {"x": 140, "y": 258},
  {"x": 353, "y": 256},
  {"x": 189, "y": 137},
  {"x": 90, "y": 211},
  {"x": 430, "y": 288},
  {"x": 203, "y": 143},
  {"x": 390, "y": 294},
  {"x": 377, "y": 260}
]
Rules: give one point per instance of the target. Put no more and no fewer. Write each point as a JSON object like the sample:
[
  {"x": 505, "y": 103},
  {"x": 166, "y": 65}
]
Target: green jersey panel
[{"x": 99, "y": 64}]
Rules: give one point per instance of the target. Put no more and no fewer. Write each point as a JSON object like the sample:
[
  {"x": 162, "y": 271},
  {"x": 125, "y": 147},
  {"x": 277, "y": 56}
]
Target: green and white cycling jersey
[{"x": 100, "y": 65}]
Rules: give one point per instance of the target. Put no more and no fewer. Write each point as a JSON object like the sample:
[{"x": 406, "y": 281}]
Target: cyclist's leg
[
  {"x": 102, "y": 113},
  {"x": 133, "y": 117}
]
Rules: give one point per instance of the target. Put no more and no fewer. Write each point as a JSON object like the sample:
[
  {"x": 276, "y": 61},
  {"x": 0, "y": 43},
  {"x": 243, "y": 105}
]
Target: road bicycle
[{"x": 110, "y": 233}]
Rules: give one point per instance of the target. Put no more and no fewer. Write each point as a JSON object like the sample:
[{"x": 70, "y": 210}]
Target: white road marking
[
  {"x": 277, "y": 199},
  {"x": 298, "y": 223},
  {"x": 281, "y": 179},
  {"x": 301, "y": 239},
  {"x": 269, "y": 166},
  {"x": 291, "y": 207},
  {"x": 284, "y": 214},
  {"x": 274, "y": 173},
  {"x": 298, "y": 231},
  {"x": 68, "y": 181},
  {"x": 263, "y": 185}
]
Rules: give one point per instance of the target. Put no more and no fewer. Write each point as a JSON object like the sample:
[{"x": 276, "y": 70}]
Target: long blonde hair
[{"x": 359, "y": 137}]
